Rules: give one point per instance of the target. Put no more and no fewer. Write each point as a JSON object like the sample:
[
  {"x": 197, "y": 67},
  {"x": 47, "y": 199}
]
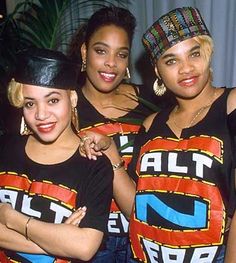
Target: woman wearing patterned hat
[
  {"x": 183, "y": 156},
  {"x": 43, "y": 178}
]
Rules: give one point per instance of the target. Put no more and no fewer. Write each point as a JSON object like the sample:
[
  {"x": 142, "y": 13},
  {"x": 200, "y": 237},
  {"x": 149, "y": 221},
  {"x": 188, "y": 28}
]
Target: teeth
[
  {"x": 188, "y": 80},
  {"x": 108, "y": 75},
  {"x": 45, "y": 126}
]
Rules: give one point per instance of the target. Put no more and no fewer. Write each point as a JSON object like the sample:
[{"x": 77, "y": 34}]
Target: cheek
[
  {"x": 168, "y": 75},
  {"x": 65, "y": 114},
  {"x": 122, "y": 65},
  {"x": 28, "y": 116}
]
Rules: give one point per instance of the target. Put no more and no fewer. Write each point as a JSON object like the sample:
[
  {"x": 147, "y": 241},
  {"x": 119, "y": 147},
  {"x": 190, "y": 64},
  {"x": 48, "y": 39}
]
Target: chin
[{"x": 46, "y": 139}]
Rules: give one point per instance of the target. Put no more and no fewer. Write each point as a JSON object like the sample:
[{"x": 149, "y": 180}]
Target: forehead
[
  {"x": 182, "y": 47},
  {"x": 110, "y": 34},
  {"x": 38, "y": 91}
]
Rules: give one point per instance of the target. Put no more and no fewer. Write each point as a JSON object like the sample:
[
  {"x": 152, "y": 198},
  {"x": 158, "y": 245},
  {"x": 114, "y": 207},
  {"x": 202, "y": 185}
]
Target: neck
[{"x": 98, "y": 97}]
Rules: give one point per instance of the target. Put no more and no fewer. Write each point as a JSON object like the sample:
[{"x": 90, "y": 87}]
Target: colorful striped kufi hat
[{"x": 175, "y": 26}]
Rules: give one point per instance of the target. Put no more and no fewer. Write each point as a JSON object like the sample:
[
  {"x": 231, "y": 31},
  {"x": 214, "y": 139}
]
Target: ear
[
  {"x": 156, "y": 71},
  {"x": 73, "y": 98},
  {"x": 83, "y": 51}
]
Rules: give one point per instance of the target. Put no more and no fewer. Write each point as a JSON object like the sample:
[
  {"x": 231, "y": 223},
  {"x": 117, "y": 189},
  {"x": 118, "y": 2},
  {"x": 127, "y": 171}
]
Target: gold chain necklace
[{"x": 199, "y": 112}]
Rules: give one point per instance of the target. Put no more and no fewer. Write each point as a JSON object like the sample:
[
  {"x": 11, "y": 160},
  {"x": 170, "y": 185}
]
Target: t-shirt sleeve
[{"x": 98, "y": 194}]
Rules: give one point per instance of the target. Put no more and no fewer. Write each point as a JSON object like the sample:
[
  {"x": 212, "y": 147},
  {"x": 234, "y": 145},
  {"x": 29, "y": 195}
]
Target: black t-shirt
[
  {"x": 184, "y": 188},
  {"x": 52, "y": 192},
  {"x": 123, "y": 132}
]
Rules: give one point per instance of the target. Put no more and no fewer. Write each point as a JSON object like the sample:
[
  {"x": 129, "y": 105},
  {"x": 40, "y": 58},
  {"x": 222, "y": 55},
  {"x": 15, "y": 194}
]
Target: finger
[
  {"x": 79, "y": 216},
  {"x": 76, "y": 217}
]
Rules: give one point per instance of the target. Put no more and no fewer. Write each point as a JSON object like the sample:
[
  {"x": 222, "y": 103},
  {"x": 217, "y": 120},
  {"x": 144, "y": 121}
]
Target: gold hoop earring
[
  {"x": 24, "y": 130},
  {"x": 127, "y": 73},
  {"x": 159, "y": 87},
  {"x": 83, "y": 66},
  {"x": 75, "y": 119}
]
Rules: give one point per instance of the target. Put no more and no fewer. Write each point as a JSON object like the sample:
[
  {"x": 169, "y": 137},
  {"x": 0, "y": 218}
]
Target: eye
[
  {"x": 28, "y": 104},
  {"x": 195, "y": 54},
  {"x": 171, "y": 61},
  {"x": 53, "y": 101},
  {"x": 100, "y": 51},
  {"x": 123, "y": 55}
]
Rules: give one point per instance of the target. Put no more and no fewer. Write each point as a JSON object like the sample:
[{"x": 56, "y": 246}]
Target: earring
[
  {"x": 127, "y": 74},
  {"x": 83, "y": 66},
  {"x": 159, "y": 87},
  {"x": 24, "y": 130},
  {"x": 75, "y": 119}
]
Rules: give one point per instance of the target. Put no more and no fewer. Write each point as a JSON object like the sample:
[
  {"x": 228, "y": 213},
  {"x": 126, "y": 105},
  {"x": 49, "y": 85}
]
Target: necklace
[{"x": 199, "y": 112}]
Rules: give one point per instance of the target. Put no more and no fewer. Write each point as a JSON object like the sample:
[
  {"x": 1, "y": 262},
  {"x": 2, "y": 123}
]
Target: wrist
[{"x": 118, "y": 165}]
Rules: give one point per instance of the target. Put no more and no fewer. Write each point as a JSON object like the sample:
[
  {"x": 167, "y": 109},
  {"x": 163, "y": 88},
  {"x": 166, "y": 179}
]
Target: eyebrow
[
  {"x": 104, "y": 44},
  {"x": 196, "y": 47},
  {"x": 46, "y": 96}
]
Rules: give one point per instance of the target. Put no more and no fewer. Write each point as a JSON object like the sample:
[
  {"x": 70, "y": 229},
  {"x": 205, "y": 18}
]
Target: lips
[
  {"x": 188, "y": 82},
  {"x": 47, "y": 127},
  {"x": 108, "y": 77}
]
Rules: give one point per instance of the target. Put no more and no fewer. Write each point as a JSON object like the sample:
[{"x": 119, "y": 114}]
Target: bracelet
[
  {"x": 119, "y": 165},
  {"x": 26, "y": 228}
]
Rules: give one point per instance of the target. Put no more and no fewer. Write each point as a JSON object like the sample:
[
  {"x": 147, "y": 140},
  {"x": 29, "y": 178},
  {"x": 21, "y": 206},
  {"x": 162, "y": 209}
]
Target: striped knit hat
[{"x": 175, "y": 26}]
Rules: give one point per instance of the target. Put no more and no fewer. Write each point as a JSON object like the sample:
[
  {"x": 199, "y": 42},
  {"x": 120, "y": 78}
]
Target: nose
[
  {"x": 185, "y": 67},
  {"x": 111, "y": 61},
  {"x": 41, "y": 113}
]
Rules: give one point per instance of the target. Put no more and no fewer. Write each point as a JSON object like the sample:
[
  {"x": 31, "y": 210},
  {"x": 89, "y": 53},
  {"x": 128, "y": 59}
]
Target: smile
[
  {"x": 45, "y": 128},
  {"x": 188, "y": 82},
  {"x": 108, "y": 76}
]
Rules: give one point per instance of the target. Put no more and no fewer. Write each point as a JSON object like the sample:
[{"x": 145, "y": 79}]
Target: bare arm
[
  {"x": 123, "y": 186},
  {"x": 231, "y": 245},
  {"x": 13, "y": 240},
  {"x": 231, "y": 103},
  {"x": 66, "y": 240},
  {"x": 93, "y": 145}
]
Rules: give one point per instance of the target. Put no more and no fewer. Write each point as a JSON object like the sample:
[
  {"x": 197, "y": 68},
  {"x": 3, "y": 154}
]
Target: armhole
[{"x": 149, "y": 121}]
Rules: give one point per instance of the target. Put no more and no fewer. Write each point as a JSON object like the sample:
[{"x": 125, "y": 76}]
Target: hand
[
  {"x": 4, "y": 209},
  {"x": 76, "y": 217},
  {"x": 93, "y": 144}
]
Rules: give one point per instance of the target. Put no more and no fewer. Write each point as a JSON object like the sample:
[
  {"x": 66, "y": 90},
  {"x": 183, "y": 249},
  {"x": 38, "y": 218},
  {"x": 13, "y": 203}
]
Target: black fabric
[
  {"x": 123, "y": 135},
  {"x": 177, "y": 176},
  {"x": 46, "y": 68},
  {"x": 56, "y": 190}
]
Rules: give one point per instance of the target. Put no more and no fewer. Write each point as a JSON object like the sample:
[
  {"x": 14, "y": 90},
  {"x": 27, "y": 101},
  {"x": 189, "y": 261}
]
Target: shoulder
[
  {"x": 96, "y": 168},
  {"x": 149, "y": 120},
  {"x": 12, "y": 140},
  {"x": 12, "y": 145},
  {"x": 130, "y": 88},
  {"x": 231, "y": 101}
]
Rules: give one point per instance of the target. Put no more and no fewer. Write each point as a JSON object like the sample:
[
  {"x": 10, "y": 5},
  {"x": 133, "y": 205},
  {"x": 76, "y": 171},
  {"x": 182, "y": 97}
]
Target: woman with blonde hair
[
  {"x": 45, "y": 184},
  {"x": 183, "y": 156}
]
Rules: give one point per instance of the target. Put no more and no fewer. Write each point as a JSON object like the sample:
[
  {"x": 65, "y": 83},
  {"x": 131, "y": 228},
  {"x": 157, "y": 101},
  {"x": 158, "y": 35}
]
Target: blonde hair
[
  {"x": 207, "y": 46},
  {"x": 15, "y": 93}
]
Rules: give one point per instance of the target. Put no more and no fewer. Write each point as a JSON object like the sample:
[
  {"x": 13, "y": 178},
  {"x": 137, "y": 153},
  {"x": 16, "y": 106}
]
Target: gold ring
[{"x": 82, "y": 140}]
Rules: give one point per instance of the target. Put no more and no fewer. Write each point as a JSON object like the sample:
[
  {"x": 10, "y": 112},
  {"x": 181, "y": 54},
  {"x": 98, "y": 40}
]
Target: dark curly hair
[
  {"x": 117, "y": 16},
  {"x": 105, "y": 16},
  {"x": 111, "y": 15}
]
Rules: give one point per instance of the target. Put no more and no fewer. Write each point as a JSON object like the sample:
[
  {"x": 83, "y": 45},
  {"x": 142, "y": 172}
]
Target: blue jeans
[
  {"x": 221, "y": 256},
  {"x": 116, "y": 250}
]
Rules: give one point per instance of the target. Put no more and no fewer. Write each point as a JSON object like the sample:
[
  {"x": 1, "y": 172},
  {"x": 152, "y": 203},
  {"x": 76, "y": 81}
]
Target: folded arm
[{"x": 65, "y": 240}]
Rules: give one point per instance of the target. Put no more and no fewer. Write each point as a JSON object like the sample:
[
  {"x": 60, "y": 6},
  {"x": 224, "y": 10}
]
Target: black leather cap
[{"x": 46, "y": 68}]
